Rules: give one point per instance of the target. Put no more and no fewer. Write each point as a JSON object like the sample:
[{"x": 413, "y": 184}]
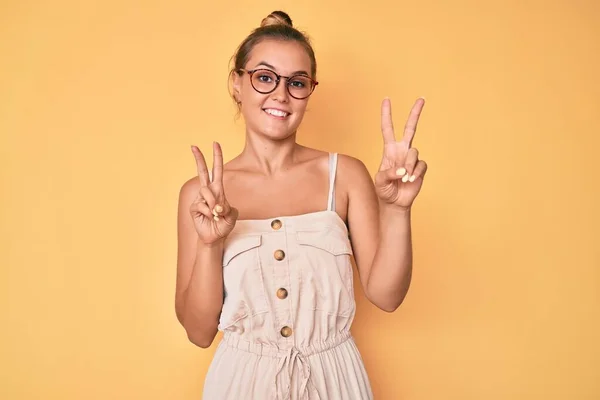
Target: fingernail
[
  {"x": 216, "y": 218},
  {"x": 218, "y": 208},
  {"x": 405, "y": 178},
  {"x": 214, "y": 212},
  {"x": 412, "y": 178},
  {"x": 400, "y": 171}
]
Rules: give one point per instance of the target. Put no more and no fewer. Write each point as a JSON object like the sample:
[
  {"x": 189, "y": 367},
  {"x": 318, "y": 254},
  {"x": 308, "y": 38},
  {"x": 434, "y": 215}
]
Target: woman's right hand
[{"x": 213, "y": 217}]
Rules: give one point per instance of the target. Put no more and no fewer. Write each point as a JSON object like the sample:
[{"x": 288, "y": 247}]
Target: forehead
[{"x": 286, "y": 56}]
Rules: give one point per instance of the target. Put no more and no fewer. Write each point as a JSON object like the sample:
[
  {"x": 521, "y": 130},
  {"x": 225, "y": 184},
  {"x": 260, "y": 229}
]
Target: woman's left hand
[{"x": 401, "y": 173}]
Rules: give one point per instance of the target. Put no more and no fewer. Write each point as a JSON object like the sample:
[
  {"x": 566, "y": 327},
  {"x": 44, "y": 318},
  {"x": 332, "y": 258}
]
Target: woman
[{"x": 274, "y": 274}]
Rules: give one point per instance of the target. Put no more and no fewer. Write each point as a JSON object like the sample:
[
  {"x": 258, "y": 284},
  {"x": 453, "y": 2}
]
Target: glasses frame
[{"x": 288, "y": 78}]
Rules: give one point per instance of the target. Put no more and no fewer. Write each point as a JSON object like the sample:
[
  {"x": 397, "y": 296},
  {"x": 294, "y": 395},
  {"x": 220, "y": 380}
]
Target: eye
[
  {"x": 264, "y": 77},
  {"x": 299, "y": 82}
]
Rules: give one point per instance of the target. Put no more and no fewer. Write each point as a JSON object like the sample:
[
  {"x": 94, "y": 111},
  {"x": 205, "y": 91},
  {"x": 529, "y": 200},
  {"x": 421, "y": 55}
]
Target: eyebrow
[{"x": 266, "y": 64}]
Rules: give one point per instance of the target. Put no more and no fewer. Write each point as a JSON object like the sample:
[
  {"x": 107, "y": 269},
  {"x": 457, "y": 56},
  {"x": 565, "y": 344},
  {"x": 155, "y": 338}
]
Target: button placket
[{"x": 281, "y": 281}]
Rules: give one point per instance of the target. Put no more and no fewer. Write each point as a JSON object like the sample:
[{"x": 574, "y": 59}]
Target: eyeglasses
[{"x": 265, "y": 81}]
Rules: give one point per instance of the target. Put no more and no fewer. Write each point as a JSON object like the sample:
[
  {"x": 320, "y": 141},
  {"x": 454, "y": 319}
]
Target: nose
[{"x": 280, "y": 93}]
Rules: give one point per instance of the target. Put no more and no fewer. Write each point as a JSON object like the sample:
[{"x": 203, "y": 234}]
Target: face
[{"x": 276, "y": 115}]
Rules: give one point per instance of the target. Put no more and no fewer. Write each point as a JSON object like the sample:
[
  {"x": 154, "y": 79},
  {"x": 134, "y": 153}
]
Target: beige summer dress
[{"x": 288, "y": 307}]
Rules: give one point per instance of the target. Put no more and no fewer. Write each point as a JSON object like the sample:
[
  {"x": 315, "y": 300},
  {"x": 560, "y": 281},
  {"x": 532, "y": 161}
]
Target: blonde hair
[{"x": 275, "y": 26}]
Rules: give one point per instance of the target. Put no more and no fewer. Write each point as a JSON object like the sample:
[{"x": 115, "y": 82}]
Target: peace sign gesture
[
  {"x": 213, "y": 217},
  {"x": 401, "y": 173}
]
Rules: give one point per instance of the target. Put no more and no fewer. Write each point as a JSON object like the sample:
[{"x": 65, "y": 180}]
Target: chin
[
  {"x": 278, "y": 133},
  {"x": 275, "y": 129}
]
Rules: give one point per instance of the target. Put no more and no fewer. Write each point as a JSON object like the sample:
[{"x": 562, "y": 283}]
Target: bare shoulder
[
  {"x": 352, "y": 173},
  {"x": 356, "y": 190},
  {"x": 351, "y": 163},
  {"x": 309, "y": 154},
  {"x": 189, "y": 187}
]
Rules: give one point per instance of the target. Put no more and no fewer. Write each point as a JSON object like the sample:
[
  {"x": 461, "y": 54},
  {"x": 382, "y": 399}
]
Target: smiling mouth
[{"x": 276, "y": 113}]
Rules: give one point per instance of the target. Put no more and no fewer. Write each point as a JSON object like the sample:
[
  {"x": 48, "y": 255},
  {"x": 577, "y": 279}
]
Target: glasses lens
[
  {"x": 264, "y": 81},
  {"x": 300, "y": 86}
]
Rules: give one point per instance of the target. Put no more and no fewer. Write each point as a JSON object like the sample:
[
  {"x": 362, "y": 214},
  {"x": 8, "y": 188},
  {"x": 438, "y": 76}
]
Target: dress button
[
  {"x": 282, "y": 293},
  {"x": 286, "y": 331},
  {"x": 279, "y": 255},
  {"x": 276, "y": 224}
]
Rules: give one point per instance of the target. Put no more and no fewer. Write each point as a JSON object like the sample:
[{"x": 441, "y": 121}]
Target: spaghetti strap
[{"x": 332, "y": 174}]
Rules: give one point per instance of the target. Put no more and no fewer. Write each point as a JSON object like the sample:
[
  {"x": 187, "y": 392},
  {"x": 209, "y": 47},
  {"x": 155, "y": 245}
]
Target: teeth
[{"x": 276, "y": 113}]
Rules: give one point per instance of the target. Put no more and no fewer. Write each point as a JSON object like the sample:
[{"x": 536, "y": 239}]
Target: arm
[
  {"x": 204, "y": 220},
  {"x": 381, "y": 239},
  {"x": 199, "y": 289},
  {"x": 391, "y": 271},
  {"x": 379, "y": 215}
]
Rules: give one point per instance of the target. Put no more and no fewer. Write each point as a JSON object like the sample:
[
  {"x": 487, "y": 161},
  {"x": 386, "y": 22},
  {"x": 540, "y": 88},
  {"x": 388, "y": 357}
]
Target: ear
[{"x": 237, "y": 86}]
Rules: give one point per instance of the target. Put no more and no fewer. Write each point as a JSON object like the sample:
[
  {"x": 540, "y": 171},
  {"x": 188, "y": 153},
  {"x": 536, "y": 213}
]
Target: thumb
[{"x": 231, "y": 217}]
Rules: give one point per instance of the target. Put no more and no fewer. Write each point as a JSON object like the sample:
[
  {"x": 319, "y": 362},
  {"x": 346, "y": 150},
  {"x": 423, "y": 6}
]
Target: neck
[{"x": 269, "y": 156}]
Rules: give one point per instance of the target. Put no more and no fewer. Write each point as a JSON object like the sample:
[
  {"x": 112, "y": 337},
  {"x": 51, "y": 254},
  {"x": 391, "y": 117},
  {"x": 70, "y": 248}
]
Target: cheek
[
  {"x": 252, "y": 109},
  {"x": 251, "y": 97},
  {"x": 250, "y": 102},
  {"x": 300, "y": 108}
]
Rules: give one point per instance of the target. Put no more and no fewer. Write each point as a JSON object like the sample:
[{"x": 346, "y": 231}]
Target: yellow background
[{"x": 100, "y": 101}]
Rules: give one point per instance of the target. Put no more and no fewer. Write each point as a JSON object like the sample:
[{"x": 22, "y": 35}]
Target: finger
[
  {"x": 388, "y": 175},
  {"x": 217, "y": 173},
  {"x": 411, "y": 123},
  {"x": 222, "y": 207},
  {"x": 201, "y": 166},
  {"x": 227, "y": 220},
  {"x": 420, "y": 170},
  {"x": 200, "y": 198},
  {"x": 208, "y": 195},
  {"x": 387, "y": 125},
  {"x": 412, "y": 157},
  {"x": 200, "y": 208},
  {"x": 231, "y": 216}
]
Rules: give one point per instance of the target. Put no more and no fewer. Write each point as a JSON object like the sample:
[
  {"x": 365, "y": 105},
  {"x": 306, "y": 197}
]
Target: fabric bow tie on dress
[{"x": 292, "y": 359}]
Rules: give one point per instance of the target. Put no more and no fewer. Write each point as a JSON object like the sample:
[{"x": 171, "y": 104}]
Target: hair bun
[{"x": 277, "y": 18}]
